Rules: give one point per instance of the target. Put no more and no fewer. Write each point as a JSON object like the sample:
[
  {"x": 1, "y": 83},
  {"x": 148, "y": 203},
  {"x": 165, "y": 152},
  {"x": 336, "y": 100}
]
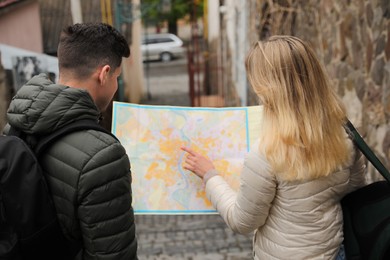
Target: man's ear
[{"x": 103, "y": 74}]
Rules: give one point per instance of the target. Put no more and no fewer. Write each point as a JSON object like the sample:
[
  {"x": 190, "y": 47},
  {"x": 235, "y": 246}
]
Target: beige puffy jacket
[{"x": 291, "y": 220}]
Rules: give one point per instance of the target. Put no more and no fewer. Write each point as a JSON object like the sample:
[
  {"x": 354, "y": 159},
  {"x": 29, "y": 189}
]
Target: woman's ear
[{"x": 103, "y": 74}]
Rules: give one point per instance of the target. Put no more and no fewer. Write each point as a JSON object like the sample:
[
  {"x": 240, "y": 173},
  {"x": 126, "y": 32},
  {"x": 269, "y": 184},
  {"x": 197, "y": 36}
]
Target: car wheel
[{"x": 166, "y": 56}]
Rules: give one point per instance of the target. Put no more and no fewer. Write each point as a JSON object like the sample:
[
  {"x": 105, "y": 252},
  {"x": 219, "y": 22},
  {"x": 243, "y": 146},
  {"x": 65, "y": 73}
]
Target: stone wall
[{"x": 352, "y": 38}]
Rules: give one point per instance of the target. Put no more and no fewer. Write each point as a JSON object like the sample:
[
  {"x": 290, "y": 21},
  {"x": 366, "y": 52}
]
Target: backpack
[
  {"x": 29, "y": 228},
  {"x": 366, "y": 212}
]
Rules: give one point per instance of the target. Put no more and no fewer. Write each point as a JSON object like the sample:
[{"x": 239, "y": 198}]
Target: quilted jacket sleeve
[
  {"x": 105, "y": 212},
  {"x": 90, "y": 179},
  {"x": 246, "y": 210},
  {"x": 357, "y": 172}
]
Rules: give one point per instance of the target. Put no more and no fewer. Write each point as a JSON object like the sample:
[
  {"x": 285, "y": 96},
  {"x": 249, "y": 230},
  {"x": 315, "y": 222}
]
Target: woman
[{"x": 302, "y": 165}]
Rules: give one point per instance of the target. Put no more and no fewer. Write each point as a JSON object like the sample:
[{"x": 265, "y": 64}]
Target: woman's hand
[{"x": 197, "y": 163}]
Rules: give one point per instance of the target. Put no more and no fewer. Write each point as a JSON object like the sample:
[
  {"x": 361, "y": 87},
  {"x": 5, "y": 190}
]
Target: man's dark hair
[{"x": 84, "y": 47}]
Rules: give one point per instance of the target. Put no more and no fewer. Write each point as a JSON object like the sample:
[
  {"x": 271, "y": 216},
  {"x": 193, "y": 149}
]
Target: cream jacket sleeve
[{"x": 246, "y": 210}]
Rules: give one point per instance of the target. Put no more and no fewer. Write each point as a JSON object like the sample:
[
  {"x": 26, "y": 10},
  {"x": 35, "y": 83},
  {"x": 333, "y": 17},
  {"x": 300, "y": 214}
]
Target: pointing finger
[{"x": 188, "y": 150}]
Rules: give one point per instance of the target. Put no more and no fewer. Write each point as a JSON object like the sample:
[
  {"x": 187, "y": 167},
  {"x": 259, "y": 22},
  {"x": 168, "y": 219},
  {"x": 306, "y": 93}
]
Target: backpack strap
[
  {"x": 84, "y": 124},
  {"x": 366, "y": 150}
]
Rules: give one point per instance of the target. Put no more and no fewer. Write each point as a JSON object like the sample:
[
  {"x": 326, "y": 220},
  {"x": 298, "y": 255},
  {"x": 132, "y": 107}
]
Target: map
[{"x": 152, "y": 137}]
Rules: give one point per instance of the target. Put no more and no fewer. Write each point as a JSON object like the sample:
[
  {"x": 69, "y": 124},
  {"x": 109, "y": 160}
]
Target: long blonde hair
[{"x": 302, "y": 135}]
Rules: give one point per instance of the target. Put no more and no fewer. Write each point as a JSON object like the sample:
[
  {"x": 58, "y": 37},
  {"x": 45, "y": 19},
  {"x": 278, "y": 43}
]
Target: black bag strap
[
  {"x": 79, "y": 125},
  {"x": 366, "y": 150}
]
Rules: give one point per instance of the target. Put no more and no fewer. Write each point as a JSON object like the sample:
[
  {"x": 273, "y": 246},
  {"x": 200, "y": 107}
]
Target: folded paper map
[{"x": 152, "y": 137}]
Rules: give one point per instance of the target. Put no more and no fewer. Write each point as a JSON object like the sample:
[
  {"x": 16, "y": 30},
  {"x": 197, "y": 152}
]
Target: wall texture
[
  {"x": 6, "y": 91},
  {"x": 20, "y": 26},
  {"x": 352, "y": 38},
  {"x": 3, "y": 97}
]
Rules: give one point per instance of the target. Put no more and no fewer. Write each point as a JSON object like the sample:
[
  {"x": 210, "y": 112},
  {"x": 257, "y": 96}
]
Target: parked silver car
[{"x": 163, "y": 46}]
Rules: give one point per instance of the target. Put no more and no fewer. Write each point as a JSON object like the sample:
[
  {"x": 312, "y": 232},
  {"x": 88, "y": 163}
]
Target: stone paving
[
  {"x": 187, "y": 237},
  {"x": 194, "y": 237}
]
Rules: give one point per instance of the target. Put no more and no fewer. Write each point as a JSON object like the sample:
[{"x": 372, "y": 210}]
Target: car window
[
  {"x": 149, "y": 41},
  {"x": 161, "y": 40},
  {"x": 156, "y": 40}
]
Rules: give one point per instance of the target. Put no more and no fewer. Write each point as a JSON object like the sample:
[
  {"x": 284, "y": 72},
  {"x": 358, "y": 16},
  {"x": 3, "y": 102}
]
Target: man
[{"x": 88, "y": 171}]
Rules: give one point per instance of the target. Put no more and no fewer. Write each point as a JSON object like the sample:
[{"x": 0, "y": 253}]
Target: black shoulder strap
[
  {"x": 85, "y": 124},
  {"x": 366, "y": 150}
]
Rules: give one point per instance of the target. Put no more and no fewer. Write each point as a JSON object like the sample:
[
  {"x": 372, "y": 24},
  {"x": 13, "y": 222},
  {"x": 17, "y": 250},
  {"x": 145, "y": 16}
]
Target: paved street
[
  {"x": 167, "y": 83},
  {"x": 192, "y": 237},
  {"x": 197, "y": 237}
]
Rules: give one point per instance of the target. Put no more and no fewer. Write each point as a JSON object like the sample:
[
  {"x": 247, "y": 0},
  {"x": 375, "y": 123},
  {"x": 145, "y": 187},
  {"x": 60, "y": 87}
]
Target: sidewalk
[
  {"x": 194, "y": 237},
  {"x": 187, "y": 237}
]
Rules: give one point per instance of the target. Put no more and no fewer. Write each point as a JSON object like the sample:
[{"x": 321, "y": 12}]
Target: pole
[
  {"x": 149, "y": 95},
  {"x": 75, "y": 8}
]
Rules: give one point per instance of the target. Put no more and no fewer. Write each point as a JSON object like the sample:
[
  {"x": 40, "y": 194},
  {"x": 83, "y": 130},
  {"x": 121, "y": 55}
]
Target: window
[{"x": 162, "y": 40}]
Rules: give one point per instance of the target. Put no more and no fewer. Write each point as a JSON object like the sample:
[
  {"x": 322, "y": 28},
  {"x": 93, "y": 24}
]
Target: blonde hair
[{"x": 302, "y": 135}]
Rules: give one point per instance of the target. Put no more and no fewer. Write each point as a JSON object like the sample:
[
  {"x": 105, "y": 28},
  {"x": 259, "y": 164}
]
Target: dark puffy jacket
[{"x": 88, "y": 171}]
